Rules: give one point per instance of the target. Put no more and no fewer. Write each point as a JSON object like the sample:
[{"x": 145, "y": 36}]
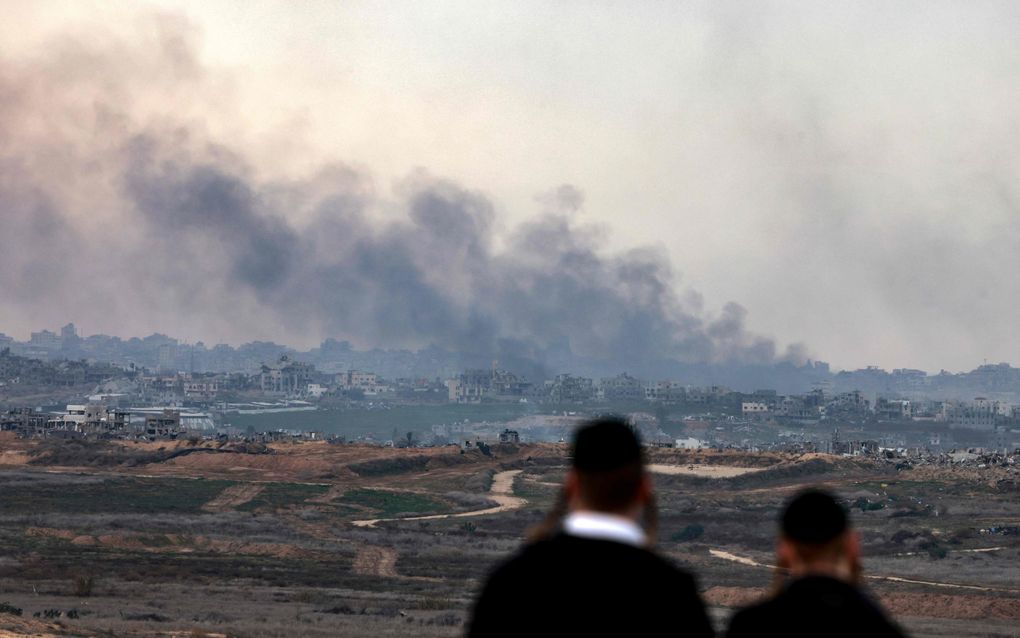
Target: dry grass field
[{"x": 322, "y": 540}]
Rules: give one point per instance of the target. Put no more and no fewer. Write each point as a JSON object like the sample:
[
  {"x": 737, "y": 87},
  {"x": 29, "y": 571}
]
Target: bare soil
[
  {"x": 706, "y": 471},
  {"x": 267, "y": 542},
  {"x": 233, "y": 496}
]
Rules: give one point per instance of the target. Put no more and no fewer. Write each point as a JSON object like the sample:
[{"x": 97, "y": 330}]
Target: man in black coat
[
  {"x": 592, "y": 574},
  {"x": 818, "y": 555}
]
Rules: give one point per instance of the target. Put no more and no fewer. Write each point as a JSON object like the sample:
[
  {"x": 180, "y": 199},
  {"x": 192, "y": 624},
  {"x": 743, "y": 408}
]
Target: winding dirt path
[{"x": 501, "y": 492}]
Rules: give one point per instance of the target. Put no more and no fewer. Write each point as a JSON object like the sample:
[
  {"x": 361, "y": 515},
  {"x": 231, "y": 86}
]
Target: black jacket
[
  {"x": 571, "y": 586},
  {"x": 814, "y": 606}
]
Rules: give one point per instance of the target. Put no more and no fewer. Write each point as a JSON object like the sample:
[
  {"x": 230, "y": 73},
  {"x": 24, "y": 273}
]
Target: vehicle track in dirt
[
  {"x": 501, "y": 492},
  {"x": 373, "y": 560},
  {"x": 232, "y": 497}
]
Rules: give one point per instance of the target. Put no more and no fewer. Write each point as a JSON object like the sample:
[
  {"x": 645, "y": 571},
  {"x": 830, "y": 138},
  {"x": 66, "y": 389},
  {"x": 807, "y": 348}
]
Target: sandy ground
[
  {"x": 173, "y": 544},
  {"x": 373, "y": 560},
  {"x": 501, "y": 492},
  {"x": 706, "y": 471},
  {"x": 743, "y": 560},
  {"x": 318, "y": 531},
  {"x": 898, "y": 604},
  {"x": 232, "y": 497},
  {"x": 18, "y": 627},
  {"x": 939, "y": 604}
]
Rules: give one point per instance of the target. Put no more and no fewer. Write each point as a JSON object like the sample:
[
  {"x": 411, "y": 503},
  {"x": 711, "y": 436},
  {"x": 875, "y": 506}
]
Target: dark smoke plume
[{"x": 127, "y": 216}]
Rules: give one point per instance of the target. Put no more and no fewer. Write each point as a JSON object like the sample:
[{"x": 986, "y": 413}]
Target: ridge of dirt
[
  {"x": 173, "y": 543},
  {"x": 19, "y": 627},
  {"x": 909, "y": 604}
]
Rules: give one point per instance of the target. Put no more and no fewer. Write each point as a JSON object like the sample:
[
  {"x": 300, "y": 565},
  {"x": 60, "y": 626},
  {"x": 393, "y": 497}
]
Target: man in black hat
[
  {"x": 592, "y": 573},
  {"x": 818, "y": 558}
]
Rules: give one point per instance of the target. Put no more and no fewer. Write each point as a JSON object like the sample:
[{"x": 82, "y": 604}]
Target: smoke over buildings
[{"x": 123, "y": 210}]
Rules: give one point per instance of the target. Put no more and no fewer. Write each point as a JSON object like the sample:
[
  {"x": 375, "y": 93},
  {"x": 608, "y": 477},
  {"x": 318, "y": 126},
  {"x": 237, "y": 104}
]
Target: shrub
[
  {"x": 7, "y": 608},
  {"x": 434, "y": 602},
  {"x": 480, "y": 481},
  {"x": 689, "y": 533},
  {"x": 934, "y": 549},
  {"x": 83, "y": 586},
  {"x": 344, "y": 609},
  {"x": 865, "y": 505},
  {"x": 448, "y": 619}
]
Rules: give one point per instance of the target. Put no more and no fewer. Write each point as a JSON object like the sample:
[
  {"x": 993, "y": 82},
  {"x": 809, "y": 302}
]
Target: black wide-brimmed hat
[
  {"x": 605, "y": 444},
  {"x": 813, "y": 517}
]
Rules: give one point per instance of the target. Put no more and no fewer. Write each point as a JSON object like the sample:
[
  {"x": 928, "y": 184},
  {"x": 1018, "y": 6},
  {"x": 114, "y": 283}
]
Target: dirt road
[{"x": 501, "y": 492}]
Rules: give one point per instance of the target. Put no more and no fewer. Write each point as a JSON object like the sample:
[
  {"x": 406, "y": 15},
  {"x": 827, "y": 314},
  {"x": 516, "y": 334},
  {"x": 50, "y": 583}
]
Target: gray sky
[{"x": 845, "y": 172}]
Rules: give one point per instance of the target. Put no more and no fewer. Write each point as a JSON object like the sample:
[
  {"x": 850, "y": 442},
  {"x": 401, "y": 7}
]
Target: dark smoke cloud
[{"x": 128, "y": 218}]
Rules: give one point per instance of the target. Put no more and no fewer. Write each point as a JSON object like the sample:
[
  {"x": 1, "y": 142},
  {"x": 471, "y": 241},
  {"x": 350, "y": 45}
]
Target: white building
[{"x": 691, "y": 443}]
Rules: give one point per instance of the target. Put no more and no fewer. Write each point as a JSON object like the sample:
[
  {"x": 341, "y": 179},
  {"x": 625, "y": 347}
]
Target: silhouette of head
[
  {"x": 607, "y": 466},
  {"x": 813, "y": 518},
  {"x": 815, "y": 536}
]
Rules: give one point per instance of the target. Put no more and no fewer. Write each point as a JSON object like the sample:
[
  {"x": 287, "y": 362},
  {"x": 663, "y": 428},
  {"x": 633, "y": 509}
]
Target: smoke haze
[
  {"x": 845, "y": 171},
  {"x": 122, "y": 211}
]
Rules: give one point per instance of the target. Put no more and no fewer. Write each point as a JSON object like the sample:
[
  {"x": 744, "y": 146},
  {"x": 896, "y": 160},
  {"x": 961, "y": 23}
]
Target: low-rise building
[
  {"x": 892, "y": 409},
  {"x": 751, "y": 409},
  {"x": 163, "y": 426},
  {"x": 622, "y": 387}
]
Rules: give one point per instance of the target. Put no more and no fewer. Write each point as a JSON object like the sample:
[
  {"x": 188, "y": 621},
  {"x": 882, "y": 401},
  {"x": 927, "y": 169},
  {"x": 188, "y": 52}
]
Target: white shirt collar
[{"x": 602, "y": 526}]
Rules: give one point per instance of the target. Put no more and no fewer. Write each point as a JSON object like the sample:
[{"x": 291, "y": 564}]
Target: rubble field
[{"x": 177, "y": 538}]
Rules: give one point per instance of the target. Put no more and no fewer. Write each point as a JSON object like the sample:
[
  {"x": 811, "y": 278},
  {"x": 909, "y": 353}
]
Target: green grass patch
[
  {"x": 281, "y": 495},
  {"x": 114, "y": 496},
  {"x": 390, "y": 504},
  {"x": 534, "y": 491}
]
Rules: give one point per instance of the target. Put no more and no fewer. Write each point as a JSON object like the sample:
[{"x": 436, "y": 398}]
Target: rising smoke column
[{"x": 136, "y": 217}]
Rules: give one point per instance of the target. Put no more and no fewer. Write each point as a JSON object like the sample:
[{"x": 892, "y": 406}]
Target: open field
[
  {"x": 705, "y": 471},
  {"x": 172, "y": 539},
  {"x": 382, "y": 419}
]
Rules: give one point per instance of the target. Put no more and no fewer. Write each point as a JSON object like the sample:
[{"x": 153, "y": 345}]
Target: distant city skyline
[
  {"x": 714, "y": 182},
  {"x": 55, "y": 339}
]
